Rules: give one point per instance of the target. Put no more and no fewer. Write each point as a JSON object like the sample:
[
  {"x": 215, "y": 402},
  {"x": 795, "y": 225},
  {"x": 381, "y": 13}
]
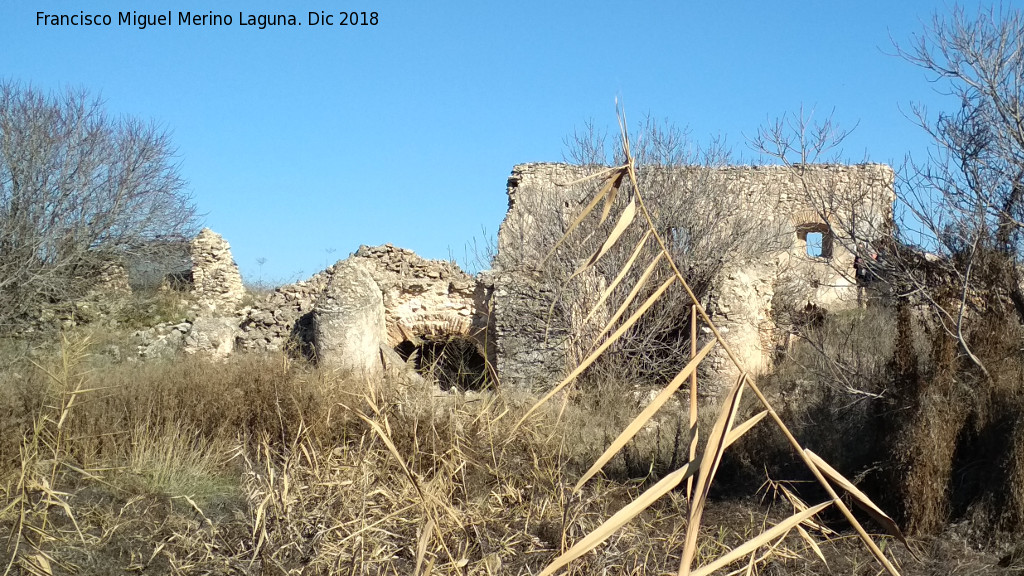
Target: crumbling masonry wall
[
  {"x": 530, "y": 326},
  {"x": 422, "y": 299},
  {"x": 216, "y": 281},
  {"x": 847, "y": 205}
]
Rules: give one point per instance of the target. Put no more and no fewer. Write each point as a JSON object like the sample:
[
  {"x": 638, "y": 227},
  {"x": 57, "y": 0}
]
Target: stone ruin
[
  {"x": 744, "y": 299},
  {"x": 386, "y": 305},
  {"x": 216, "y": 285},
  {"x": 215, "y": 279},
  {"x": 423, "y": 299},
  {"x": 382, "y": 305},
  {"x": 112, "y": 280},
  {"x": 348, "y": 322}
]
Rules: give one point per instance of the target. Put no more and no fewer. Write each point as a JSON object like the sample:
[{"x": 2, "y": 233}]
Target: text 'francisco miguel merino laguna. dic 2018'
[{"x": 261, "y": 21}]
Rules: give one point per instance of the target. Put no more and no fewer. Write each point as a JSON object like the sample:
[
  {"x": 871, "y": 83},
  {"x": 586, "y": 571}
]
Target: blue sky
[{"x": 301, "y": 143}]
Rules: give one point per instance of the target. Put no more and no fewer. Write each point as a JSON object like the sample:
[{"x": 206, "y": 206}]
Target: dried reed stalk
[{"x": 700, "y": 470}]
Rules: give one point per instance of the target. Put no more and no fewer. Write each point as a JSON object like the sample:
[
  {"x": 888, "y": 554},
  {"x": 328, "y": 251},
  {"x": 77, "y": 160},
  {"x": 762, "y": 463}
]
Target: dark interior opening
[
  {"x": 181, "y": 281},
  {"x": 453, "y": 361},
  {"x": 406, "y": 349}
]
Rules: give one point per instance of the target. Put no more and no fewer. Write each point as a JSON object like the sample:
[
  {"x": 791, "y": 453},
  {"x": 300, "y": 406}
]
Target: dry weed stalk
[
  {"x": 702, "y": 466},
  {"x": 43, "y": 457}
]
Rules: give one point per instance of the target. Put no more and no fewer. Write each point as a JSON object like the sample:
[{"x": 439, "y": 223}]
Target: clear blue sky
[{"x": 301, "y": 143}]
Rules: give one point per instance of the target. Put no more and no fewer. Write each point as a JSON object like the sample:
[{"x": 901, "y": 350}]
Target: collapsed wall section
[{"x": 422, "y": 299}]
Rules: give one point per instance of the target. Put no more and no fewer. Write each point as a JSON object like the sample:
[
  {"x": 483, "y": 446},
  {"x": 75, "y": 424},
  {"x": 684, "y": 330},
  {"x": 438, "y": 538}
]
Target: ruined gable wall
[{"x": 541, "y": 197}]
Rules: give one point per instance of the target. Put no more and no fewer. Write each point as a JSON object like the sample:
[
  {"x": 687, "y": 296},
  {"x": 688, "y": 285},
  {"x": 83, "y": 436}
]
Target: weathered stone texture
[
  {"x": 422, "y": 298},
  {"x": 273, "y": 320},
  {"x": 540, "y": 199},
  {"x": 112, "y": 281},
  {"x": 538, "y": 326},
  {"x": 216, "y": 281},
  {"x": 348, "y": 322},
  {"x": 530, "y": 343},
  {"x": 162, "y": 340},
  {"x": 212, "y": 335}
]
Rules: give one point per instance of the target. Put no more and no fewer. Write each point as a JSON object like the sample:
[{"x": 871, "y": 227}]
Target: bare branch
[{"x": 78, "y": 190}]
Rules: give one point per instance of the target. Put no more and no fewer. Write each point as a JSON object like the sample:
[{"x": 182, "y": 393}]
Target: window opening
[
  {"x": 817, "y": 240},
  {"x": 814, "y": 244}
]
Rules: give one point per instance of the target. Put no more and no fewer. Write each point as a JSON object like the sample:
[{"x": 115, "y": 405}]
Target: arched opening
[{"x": 453, "y": 361}]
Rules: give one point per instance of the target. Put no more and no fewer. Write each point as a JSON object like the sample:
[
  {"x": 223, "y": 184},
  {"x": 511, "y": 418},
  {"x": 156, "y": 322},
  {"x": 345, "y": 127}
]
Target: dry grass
[
  {"x": 376, "y": 478},
  {"x": 263, "y": 466}
]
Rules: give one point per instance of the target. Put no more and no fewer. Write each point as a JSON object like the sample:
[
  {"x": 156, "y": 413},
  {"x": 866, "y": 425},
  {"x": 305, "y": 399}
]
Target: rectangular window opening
[{"x": 816, "y": 245}]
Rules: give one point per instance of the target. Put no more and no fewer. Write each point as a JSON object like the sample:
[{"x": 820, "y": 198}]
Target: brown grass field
[{"x": 265, "y": 466}]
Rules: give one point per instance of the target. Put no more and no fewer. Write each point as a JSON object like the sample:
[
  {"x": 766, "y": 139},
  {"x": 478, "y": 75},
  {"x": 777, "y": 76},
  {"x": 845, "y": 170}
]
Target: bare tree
[
  {"x": 969, "y": 196},
  {"x": 960, "y": 237},
  {"x": 919, "y": 258},
  {"x": 78, "y": 189}
]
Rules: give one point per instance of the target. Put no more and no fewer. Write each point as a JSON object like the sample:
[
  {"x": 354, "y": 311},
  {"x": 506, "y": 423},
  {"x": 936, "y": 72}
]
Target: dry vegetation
[
  {"x": 262, "y": 466},
  {"x": 266, "y": 465}
]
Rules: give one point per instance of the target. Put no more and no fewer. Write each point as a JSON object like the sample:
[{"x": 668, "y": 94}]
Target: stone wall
[
  {"x": 112, "y": 281},
  {"x": 216, "y": 281},
  {"x": 834, "y": 200},
  {"x": 530, "y": 325},
  {"x": 534, "y": 317},
  {"x": 842, "y": 201},
  {"x": 422, "y": 299},
  {"x": 529, "y": 350}
]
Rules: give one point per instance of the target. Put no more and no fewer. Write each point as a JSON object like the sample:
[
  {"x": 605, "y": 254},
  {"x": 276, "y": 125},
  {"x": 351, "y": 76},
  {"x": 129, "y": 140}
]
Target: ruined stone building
[
  {"x": 779, "y": 240},
  {"x": 810, "y": 220}
]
